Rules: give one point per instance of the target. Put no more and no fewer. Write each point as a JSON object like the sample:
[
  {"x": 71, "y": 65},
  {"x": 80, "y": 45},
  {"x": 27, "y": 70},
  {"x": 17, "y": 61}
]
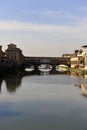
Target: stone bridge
[{"x": 53, "y": 61}]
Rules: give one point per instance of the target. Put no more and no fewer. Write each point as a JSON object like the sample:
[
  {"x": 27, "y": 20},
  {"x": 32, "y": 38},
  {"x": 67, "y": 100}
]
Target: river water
[{"x": 43, "y": 101}]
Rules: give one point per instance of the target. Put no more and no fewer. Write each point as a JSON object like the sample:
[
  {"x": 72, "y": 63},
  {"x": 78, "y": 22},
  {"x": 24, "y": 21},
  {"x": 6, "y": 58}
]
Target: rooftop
[{"x": 84, "y": 46}]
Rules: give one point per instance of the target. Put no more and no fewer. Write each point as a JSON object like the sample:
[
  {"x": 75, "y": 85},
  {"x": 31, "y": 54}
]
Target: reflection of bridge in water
[
  {"x": 53, "y": 61},
  {"x": 13, "y": 80}
]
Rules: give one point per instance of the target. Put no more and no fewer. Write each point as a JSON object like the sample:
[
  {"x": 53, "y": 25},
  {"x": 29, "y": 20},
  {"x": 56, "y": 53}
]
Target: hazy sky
[{"x": 43, "y": 27}]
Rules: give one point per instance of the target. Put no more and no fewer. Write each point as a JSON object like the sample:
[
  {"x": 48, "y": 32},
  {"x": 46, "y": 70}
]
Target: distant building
[
  {"x": 14, "y": 54},
  {"x": 74, "y": 62},
  {"x": 68, "y": 55},
  {"x": 85, "y": 56},
  {"x": 2, "y": 55},
  {"x": 78, "y": 60}
]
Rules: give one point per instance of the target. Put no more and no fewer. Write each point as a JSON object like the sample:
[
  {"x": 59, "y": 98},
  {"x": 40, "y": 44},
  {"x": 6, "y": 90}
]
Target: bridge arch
[{"x": 53, "y": 61}]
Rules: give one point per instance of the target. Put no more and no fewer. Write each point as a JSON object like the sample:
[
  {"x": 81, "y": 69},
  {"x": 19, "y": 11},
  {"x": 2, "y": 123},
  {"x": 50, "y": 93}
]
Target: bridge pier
[
  {"x": 36, "y": 67},
  {"x": 53, "y": 67}
]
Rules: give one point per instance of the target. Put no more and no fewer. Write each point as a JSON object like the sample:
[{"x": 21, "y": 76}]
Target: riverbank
[{"x": 78, "y": 70}]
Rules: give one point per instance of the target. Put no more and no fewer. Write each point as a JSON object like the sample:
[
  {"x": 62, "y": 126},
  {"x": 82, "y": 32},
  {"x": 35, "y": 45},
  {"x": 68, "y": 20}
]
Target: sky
[{"x": 43, "y": 27}]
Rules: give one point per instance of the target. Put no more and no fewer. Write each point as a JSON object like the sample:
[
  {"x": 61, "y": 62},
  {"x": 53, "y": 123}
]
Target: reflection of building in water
[
  {"x": 85, "y": 76},
  {"x": 76, "y": 74},
  {"x": 13, "y": 79},
  {"x": 1, "y": 80},
  {"x": 84, "y": 89},
  {"x": 13, "y": 82}
]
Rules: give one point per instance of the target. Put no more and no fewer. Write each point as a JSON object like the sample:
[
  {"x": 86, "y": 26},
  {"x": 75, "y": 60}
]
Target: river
[{"x": 43, "y": 101}]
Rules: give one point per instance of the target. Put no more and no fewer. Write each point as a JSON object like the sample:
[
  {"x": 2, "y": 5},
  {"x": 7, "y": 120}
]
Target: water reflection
[
  {"x": 13, "y": 79},
  {"x": 44, "y": 73},
  {"x": 42, "y": 102},
  {"x": 83, "y": 87},
  {"x": 76, "y": 74}
]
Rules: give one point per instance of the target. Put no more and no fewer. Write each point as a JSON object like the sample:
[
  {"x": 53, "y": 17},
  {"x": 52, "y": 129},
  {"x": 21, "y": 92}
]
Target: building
[
  {"x": 2, "y": 55},
  {"x": 78, "y": 61},
  {"x": 85, "y": 56},
  {"x": 68, "y": 55},
  {"x": 14, "y": 54},
  {"x": 74, "y": 62}
]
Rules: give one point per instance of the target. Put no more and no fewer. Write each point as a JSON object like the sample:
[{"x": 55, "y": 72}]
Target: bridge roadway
[{"x": 54, "y": 61}]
